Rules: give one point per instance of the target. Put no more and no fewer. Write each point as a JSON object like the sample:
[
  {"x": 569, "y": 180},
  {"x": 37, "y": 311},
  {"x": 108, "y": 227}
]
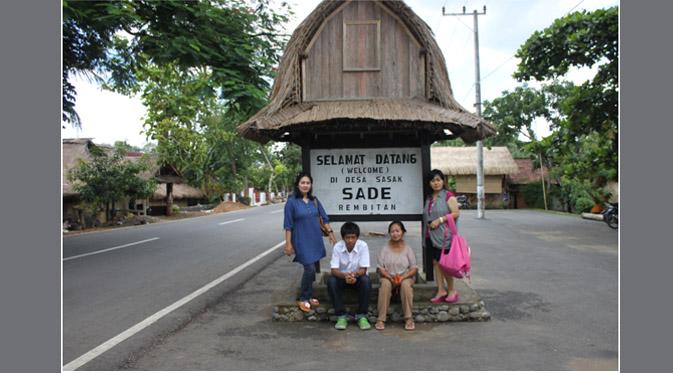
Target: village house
[
  {"x": 168, "y": 182},
  {"x": 461, "y": 164}
]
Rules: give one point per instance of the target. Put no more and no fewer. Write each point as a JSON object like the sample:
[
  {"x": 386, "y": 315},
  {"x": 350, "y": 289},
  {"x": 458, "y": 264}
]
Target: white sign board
[{"x": 368, "y": 181}]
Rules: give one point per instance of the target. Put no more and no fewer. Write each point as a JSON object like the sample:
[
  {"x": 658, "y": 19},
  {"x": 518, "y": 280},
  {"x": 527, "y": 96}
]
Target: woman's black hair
[
  {"x": 297, "y": 193},
  {"x": 431, "y": 175},
  {"x": 404, "y": 230},
  {"x": 350, "y": 228}
]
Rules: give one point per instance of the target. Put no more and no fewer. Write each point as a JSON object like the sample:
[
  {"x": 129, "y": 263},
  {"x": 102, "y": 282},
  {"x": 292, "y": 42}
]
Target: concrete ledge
[
  {"x": 588, "y": 215},
  {"x": 470, "y": 307}
]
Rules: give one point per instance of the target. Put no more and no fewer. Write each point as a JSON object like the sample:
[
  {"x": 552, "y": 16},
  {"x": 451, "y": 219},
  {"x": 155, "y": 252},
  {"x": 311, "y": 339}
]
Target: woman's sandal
[
  {"x": 438, "y": 299},
  {"x": 409, "y": 324},
  {"x": 304, "y": 306},
  {"x": 314, "y": 302},
  {"x": 380, "y": 325},
  {"x": 452, "y": 298}
]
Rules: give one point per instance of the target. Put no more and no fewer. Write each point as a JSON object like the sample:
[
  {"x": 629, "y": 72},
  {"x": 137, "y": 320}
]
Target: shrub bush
[
  {"x": 583, "y": 204},
  {"x": 532, "y": 194}
]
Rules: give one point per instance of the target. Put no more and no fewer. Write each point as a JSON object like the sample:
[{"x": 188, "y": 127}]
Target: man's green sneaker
[
  {"x": 363, "y": 323},
  {"x": 341, "y": 323}
]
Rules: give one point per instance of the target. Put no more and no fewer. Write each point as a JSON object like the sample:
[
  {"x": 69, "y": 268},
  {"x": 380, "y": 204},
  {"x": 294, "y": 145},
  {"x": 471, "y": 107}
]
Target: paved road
[
  {"x": 114, "y": 279},
  {"x": 549, "y": 280}
]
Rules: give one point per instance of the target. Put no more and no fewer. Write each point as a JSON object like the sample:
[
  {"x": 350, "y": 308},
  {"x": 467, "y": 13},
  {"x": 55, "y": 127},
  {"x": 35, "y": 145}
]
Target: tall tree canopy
[
  {"x": 117, "y": 42},
  {"x": 581, "y": 150},
  {"x": 580, "y": 39},
  {"x": 514, "y": 114},
  {"x": 200, "y": 67}
]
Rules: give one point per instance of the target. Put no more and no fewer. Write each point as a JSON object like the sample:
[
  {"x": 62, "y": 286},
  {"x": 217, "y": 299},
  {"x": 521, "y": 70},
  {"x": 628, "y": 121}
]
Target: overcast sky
[{"x": 108, "y": 117}]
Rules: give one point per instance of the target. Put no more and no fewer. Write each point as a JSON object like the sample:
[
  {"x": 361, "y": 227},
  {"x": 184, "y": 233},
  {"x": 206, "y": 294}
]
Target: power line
[
  {"x": 469, "y": 91},
  {"x": 512, "y": 56},
  {"x": 578, "y": 4},
  {"x": 497, "y": 68},
  {"x": 468, "y": 27},
  {"x": 477, "y": 86}
]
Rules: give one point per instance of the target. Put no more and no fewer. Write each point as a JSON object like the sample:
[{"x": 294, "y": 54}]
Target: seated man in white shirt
[{"x": 350, "y": 260}]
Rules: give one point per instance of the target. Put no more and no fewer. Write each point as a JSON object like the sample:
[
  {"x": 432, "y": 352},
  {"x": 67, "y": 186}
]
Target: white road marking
[
  {"x": 110, "y": 343},
  {"x": 277, "y": 211},
  {"x": 110, "y": 249},
  {"x": 231, "y": 221}
]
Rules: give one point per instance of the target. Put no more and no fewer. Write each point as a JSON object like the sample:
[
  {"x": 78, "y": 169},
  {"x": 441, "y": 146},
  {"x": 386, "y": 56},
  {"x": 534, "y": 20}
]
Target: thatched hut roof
[
  {"x": 162, "y": 174},
  {"x": 463, "y": 160},
  {"x": 287, "y": 112},
  {"x": 180, "y": 191},
  {"x": 73, "y": 150},
  {"x": 76, "y": 149}
]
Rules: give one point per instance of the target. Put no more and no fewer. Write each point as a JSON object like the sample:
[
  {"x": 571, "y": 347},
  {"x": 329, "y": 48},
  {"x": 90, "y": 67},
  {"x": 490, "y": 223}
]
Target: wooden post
[
  {"x": 544, "y": 194},
  {"x": 427, "y": 255},
  {"x": 169, "y": 199}
]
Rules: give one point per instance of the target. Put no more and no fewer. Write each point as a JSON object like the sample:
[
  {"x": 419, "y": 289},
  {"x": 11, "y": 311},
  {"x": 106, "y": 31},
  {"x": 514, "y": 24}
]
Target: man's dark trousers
[{"x": 335, "y": 289}]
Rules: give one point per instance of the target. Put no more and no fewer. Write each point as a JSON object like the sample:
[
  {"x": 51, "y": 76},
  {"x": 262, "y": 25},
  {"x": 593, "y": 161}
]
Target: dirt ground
[
  {"x": 229, "y": 206},
  {"x": 226, "y": 206}
]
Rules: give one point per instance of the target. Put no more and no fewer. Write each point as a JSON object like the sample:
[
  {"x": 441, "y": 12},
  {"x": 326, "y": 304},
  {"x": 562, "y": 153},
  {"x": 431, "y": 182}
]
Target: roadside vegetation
[{"x": 201, "y": 68}]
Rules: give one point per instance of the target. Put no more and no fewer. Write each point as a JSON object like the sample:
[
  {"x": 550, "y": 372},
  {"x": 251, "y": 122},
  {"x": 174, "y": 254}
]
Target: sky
[{"x": 108, "y": 117}]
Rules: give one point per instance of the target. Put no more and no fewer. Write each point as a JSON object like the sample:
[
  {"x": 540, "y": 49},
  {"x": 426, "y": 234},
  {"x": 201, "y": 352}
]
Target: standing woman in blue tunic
[{"x": 303, "y": 236}]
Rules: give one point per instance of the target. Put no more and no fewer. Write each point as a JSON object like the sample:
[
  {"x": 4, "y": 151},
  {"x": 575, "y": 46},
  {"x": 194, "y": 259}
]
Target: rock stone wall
[{"x": 421, "y": 313}]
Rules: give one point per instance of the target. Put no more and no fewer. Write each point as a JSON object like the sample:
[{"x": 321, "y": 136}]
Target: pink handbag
[{"x": 457, "y": 262}]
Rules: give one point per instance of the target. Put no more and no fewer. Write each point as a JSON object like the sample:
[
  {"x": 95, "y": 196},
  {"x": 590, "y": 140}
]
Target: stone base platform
[{"x": 470, "y": 307}]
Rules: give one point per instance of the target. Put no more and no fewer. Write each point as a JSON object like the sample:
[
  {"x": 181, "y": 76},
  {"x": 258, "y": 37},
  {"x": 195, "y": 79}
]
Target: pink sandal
[
  {"x": 314, "y": 302},
  {"x": 438, "y": 300},
  {"x": 452, "y": 298}
]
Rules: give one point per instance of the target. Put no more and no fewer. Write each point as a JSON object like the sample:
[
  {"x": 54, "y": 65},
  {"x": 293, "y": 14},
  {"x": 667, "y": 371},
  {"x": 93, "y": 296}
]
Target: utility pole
[{"x": 477, "y": 87}]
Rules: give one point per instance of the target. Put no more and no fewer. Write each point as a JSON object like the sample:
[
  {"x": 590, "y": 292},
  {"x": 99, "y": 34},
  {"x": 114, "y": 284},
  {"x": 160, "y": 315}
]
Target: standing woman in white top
[{"x": 396, "y": 267}]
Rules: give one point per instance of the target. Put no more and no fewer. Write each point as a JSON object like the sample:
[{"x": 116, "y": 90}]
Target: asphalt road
[
  {"x": 109, "y": 285},
  {"x": 549, "y": 280}
]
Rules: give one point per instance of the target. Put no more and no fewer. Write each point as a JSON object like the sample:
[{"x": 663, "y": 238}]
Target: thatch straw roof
[
  {"x": 162, "y": 174},
  {"x": 73, "y": 150},
  {"x": 76, "y": 149},
  {"x": 463, "y": 160},
  {"x": 180, "y": 191},
  {"x": 286, "y": 111}
]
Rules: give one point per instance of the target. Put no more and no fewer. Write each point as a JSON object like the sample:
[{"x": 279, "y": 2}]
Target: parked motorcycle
[
  {"x": 463, "y": 201},
  {"x": 611, "y": 215}
]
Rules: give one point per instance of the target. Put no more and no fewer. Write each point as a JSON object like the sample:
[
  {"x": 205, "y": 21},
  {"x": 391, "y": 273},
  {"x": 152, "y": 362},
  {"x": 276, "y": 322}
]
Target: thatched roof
[
  {"x": 73, "y": 150},
  {"x": 286, "y": 111},
  {"x": 463, "y": 160},
  {"x": 162, "y": 174},
  {"x": 76, "y": 149},
  {"x": 180, "y": 191}
]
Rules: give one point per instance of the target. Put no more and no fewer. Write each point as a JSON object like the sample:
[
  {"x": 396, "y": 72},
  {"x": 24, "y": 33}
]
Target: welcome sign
[{"x": 372, "y": 181}]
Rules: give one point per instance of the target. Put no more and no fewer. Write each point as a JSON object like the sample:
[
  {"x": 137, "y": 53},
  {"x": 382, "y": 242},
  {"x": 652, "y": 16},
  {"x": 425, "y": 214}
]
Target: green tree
[
  {"x": 290, "y": 157},
  {"x": 228, "y": 156},
  {"x": 583, "y": 145},
  {"x": 200, "y": 68},
  {"x": 580, "y": 39},
  {"x": 126, "y": 147},
  {"x": 121, "y": 44},
  {"x": 514, "y": 114},
  {"x": 107, "y": 178}
]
